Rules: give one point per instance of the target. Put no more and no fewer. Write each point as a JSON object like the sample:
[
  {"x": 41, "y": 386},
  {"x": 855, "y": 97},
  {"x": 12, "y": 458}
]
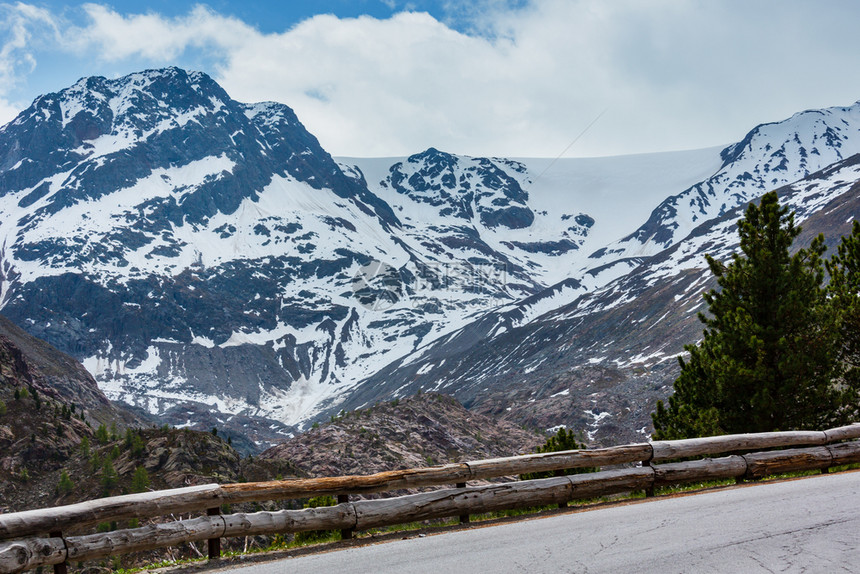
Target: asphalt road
[{"x": 809, "y": 525}]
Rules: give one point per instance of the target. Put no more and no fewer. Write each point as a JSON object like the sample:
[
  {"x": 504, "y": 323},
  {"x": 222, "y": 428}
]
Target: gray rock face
[{"x": 422, "y": 430}]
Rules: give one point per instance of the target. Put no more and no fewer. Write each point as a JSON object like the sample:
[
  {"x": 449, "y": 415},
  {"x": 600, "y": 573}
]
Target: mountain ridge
[{"x": 207, "y": 259}]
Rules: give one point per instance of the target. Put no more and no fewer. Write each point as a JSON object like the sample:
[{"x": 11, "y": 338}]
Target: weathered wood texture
[
  {"x": 549, "y": 461},
  {"x": 457, "y": 501},
  {"x": 843, "y": 433},
  {"x": 761, "y": 464},
  {"x": 845, "y": 453},
  {"x": 338, "y": 517},
  {"x": 434, "y": 476},
  {"x": 18, "y": 555},
  {"x": 358, "y": 484},
  {"x": 143, "y": 505},
  {"x": 695, "y": 470},
  {"x": 668, "y": 450},
  {"x": 608, "y": 482},
  {"x": 148, "y": 537}
]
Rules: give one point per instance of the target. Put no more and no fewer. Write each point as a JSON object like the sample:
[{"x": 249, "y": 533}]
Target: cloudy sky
[{"x": 487, "y": 77}]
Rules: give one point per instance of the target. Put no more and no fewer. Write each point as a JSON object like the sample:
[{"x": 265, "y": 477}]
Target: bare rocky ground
[{"x": 422, "y": 430}]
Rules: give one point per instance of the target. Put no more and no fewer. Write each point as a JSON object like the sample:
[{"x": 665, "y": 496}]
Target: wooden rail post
[
  {"x": 214, "y": 543},
  {"x": 346, "y": 533},
  {"x": 560, "y": 472},
  {"x": 649, "y": 492},
  {"x": 62, "y": 567},
  {"x": 464, "y": 518}
]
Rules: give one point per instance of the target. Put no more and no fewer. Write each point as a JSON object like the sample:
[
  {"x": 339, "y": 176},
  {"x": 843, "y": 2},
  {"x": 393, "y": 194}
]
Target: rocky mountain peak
[{"x": 462, "y": 186}]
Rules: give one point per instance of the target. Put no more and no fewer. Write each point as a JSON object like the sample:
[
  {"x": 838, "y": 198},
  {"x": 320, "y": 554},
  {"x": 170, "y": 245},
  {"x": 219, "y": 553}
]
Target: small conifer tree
[
  {"x": 65, "y": 485},
  {"x": 140, "y": 480},
  {"x": 110, "y": 478},
  {"x": 102, "y": 434}
]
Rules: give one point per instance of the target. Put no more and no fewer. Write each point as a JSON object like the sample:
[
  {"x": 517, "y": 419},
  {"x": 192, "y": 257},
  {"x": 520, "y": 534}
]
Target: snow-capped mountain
[
  {"x": 770, "y": 156},
  {"x": 596, "y": 350},
  {"x": 201, "y": 254},
  {"x": 573, "y": 205},
  {"x": 599, "y": 363},
  {"x": 196, "y": 252}
]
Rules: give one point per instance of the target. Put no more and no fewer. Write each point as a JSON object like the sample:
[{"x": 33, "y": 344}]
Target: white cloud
[
  {"x": 153, "y": 37},
  {"x": 20, "y": 26},
  {"x": 525, "y": 80}
]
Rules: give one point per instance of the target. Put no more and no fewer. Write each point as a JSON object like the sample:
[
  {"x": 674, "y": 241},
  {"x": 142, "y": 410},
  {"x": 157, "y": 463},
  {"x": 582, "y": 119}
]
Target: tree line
[{"x": 781, "y": 340}]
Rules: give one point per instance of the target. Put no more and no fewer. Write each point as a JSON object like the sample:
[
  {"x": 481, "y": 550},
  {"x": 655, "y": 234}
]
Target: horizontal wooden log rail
[
  {"x": 819, "y": 450},
  {"x": 143, "y": 505}
]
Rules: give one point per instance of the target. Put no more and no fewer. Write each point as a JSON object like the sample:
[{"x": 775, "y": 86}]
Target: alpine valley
[{"x": 209, "y": 263}]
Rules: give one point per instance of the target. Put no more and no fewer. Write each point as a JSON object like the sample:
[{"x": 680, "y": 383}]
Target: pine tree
[
  {"x": 140, "y": 480},
  {"x": 102, "y": 434},
  {"x": 110, "y": 478},
  {"x": 767, "y": 356},
  {"x": 65, "y": 485},
  {"x": 844, "y": 291}
]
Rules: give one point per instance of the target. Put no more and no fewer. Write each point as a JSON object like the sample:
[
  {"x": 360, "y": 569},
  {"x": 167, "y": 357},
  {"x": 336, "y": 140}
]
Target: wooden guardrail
[{"x": 23, "y": 547}]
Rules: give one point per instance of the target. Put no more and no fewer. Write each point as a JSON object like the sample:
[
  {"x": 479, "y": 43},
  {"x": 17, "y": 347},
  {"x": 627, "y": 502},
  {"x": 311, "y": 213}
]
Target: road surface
[{"x": 808, "y": 525}]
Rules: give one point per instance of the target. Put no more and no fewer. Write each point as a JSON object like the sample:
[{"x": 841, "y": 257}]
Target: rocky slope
[
  {"x": 27, "y": 362},
  {"x": 54, "y": 419},
  {"x": 422, "y": 430}
]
